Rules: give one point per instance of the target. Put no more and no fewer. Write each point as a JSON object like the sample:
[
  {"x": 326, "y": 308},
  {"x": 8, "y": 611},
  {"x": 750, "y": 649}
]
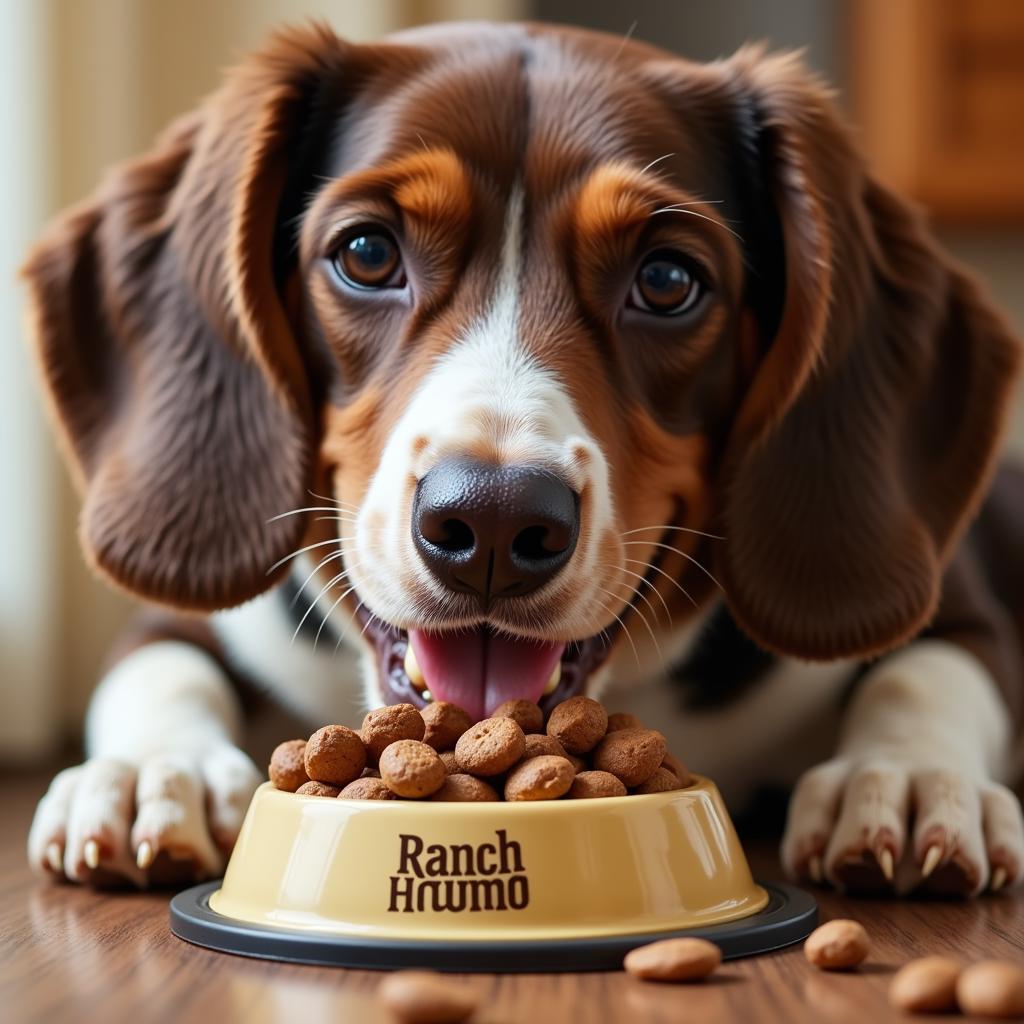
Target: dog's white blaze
[{"x": 486, "y": 391}]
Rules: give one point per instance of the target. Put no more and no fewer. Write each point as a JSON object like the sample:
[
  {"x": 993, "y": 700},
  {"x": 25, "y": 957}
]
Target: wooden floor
[{"x": 71, "y": 955}]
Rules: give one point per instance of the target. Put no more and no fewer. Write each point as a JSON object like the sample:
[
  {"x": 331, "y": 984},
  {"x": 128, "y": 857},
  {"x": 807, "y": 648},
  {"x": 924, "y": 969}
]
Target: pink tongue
[{"x": 479, "y": 670}]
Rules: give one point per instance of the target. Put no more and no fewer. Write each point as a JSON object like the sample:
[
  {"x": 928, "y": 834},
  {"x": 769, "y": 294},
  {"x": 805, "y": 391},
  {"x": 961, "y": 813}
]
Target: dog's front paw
[
  {"x": 170, "y": 820},
  {"x": 881, "y": 826}
]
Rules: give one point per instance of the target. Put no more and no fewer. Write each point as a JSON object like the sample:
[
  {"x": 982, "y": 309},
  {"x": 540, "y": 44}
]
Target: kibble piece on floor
[
  {"x": 465, "y": 789},
  {"x": 623, "y": 720},
  {"x": 445, "y": 723},
  {"x": 525, "y": 712},
  {"x": 674, "y": 960},
  {"x": 837, "y": 945},
  {"x": 389, "y": 724},
  {"x": 423, "y": 997},
  {"x": 591, "y": 785},
  {"x": 287, "y": 769},
  {"x": 335, "y": 754},
  {"x": 632, "y": 755},
  {"x": 368, "y": 787},
  {"x": 537, "y": 744},
  {"x": 490, "y": 747},
  {"x": 313, "y": 788},
  {"x": 991, "y": 988},
  {"x": 578, "y": 724},
  {"x": 662, "y": 781},
  {"x": 540, "y": 778},
  {"x": 412, "y": 769},
  {"x": 927, "y": 985}
]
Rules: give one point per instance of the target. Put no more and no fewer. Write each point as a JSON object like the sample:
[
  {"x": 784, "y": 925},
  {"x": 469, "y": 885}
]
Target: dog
[{"x": 516, "y": 360}]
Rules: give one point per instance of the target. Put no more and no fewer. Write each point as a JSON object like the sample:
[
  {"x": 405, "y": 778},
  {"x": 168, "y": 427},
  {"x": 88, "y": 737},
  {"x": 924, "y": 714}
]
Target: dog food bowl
[{"x": 540, "y": 886}]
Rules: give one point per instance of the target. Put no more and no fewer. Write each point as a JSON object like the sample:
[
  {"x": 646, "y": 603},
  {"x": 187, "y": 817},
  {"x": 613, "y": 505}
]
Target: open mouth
[{"x": 481, "y": 668}]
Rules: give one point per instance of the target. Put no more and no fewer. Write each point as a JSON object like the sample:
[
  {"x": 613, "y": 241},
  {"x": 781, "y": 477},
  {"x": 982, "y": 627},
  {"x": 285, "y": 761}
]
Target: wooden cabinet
[{"x": 937, "y": 88}]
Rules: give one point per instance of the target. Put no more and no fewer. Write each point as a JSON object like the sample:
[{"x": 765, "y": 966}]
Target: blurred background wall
[{"x": 937, "y": 87}]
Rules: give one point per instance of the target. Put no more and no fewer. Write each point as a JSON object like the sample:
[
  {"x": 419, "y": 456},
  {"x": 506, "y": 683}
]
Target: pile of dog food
[{"x": 401, "y": 752}]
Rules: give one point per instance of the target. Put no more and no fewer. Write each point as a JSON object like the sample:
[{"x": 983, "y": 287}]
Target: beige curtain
[{"x": 93, "y": 82}]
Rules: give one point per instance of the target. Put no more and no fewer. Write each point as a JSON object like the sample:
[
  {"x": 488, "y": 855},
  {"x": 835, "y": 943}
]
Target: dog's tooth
[
  {"x": 425, "y": 694},
  {"x": 553, "y": 679},
  {"x": 54, "y": 857},
  {"x": 91, "y": 854},
  {"x": 931, "y": 860},
  {"x": 998, "y": 879},
  {"x": 413, "y": 670},
  {"x": 144, "y": 854}
]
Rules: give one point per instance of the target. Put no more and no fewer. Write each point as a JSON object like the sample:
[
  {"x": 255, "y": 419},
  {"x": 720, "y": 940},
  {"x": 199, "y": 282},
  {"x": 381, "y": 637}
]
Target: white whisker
[
  {"x": 302, "y": 551},
  {"x": 669, "y": 547},
  {"x": 316, "y": 568},
  {"x": 681, "y": 529},
  {"x": 327, "y": 586},
  {"x": 639, "y": 593},
  {"x": 702, "y": 216},
  {"x": 656, "y": 161},
  {"x": 670, "y": 578},
  {"x": 330, "y": 612}
]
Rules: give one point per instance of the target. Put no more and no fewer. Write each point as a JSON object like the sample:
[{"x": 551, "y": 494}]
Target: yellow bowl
[{"x": 354, "y": 874}]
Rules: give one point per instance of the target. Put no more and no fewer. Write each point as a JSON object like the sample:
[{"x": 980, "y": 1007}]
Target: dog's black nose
[{"x": 494, "y": 531}]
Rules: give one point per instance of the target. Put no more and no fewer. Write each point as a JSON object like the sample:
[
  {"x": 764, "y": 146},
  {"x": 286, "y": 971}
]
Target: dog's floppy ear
[
  {"x": 176, "y": 380},
  {"x": 868, "y": 433}
]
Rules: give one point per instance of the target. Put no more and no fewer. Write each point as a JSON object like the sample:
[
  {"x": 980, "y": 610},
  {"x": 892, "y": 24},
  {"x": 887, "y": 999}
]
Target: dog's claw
[
  {"x": 887, "y": 864},
  {"x": 91, "y": 854},
  {"x": 814, "y": 869},
  {"x": 998, "y": 879},
  {"x": 55, "y": 856},
  {"x": 931, "y": 860},
  {"x": 144, "y": 855}
]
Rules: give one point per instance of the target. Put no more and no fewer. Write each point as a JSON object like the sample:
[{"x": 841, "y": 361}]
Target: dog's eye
[
  {"x": 369, "y": 258},
  {"x": 666, "y": 284}
]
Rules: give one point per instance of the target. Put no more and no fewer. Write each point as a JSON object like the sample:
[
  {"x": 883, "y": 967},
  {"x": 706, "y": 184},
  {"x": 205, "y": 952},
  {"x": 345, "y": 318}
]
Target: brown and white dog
[{"x": 615, "y": 373}]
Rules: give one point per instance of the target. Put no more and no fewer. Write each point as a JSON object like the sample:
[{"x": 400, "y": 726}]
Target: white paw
[
  {"x": 171, "y": 819},
  {"x": 880, "y": 825}
]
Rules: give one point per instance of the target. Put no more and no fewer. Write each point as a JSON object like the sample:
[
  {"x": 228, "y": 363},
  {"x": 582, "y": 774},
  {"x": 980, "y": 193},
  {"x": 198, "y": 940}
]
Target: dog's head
[{"x": 539, "y": 311}]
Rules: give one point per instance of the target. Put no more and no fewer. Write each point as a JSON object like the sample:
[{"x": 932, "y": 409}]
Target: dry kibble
[
  {"x": 387, "y": 725},
  {"x": 445, "y": 723},
  {"x": 525, "y": 712},
  {"x": 541, "y": 778},
  {"x": 463, "y": 789},
  {"x": 674, "y": 960},
  {"x": 837, "y": 945},
  {"x": 623, "y": 720},
  {"x": 677, "y": 768},
  {"x": 537, "y": 744},
  {"x": 423, "y": 997},
  {"x": 632, "y": 755},
  {"x": 490, "y": 747},
  {"x": 287, "y": 769},
  {"x": 991, "y": 988},
  {"x": 335, "y": 754},
  {"x": 578, "y": 724},
  {"x": 369, "y": 787},
  {"x": 589, "y": 785},
  {"x": 927, "y": 985},
  {"x": 662, "y": 781},
  {"x": 412, "y": 769},
  {"x": 438, "y": 753},
  {"x": 313, "y": 788}
]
